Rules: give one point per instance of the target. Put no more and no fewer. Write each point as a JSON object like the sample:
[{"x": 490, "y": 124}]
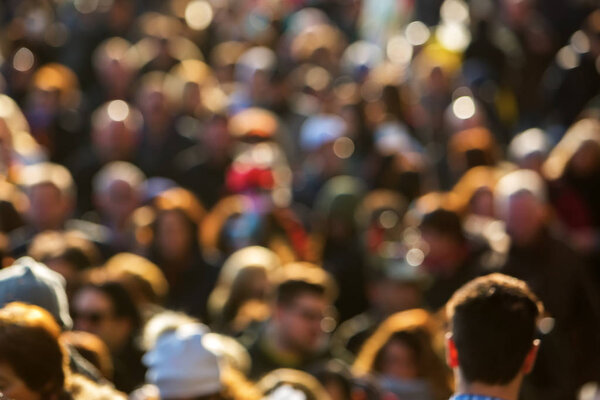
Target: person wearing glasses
[
  {"x": 107, "y": 310},
  {"x": 33, "y": 359},
  {"x": 296, "y": 335}
]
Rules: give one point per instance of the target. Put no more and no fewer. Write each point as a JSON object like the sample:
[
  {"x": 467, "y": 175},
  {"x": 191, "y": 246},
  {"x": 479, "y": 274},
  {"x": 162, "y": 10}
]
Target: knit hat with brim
[{"x": 181, "y": 366}]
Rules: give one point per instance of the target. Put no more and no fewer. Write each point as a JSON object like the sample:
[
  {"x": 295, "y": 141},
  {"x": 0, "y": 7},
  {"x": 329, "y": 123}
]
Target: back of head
[
  {"x": 493, "y": 325},
  {"x": 298, "y": 278},
  {"x": 29, "y": 345},
  {"x": 445, "y": 223}
]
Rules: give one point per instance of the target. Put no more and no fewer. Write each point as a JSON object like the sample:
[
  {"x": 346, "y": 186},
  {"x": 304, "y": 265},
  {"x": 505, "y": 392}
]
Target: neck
[
  {"x": 280, "y": 346},
  {"x": 509, "y": 391}
]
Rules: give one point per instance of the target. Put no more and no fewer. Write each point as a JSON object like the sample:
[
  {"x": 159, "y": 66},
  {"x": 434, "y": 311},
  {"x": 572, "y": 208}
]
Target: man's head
[
  {"x": 521, "y": 204},
  {"x": 492, "y": 330},
  {"x": 116, "y": 127},
  {"x": 51, "y": 193},
  {"x": 118, "y": 190},
  {"x": 106, "y": 310},
  {"x": 301, "y": 305},
  {"x": 443, "y": 232}
]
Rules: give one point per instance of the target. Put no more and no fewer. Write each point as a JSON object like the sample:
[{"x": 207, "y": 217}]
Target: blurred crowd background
[{"x": 276, "y": 198}]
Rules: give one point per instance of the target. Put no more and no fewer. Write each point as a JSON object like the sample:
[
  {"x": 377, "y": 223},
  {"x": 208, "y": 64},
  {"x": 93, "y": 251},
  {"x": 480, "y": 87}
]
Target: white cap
[{"x": 181, "y": 366}]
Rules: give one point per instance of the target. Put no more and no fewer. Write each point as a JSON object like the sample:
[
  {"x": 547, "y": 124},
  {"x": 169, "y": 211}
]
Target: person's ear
[
  {"x": 531, "y": 357},
  {"x": 451, "y": 353}
]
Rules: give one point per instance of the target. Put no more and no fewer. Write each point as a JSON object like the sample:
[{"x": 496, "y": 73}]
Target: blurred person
[
  {"x": 238, "y": 221},
  {"x": 392, "y": 286},
  {"x": 67, "y": 253},
  {"x": 33, "y": 359},
  {"x": 17, "y": 147},
  {"x": 175, "y": 248},
  {"x": 470, "y": 148},
  {"x": 402, "y": 355},
  {"x": 558, "y": 277},
  {"x": 163, "y": 44},
  {"x": 336, "y": 378},
  {"x": 320, "y": 163},
  {"x": 92, "y": 348},
  {"x": 117, "y": 192},
  {"x": 160, "y": 141},
  {"x": 492, "y": 340},
  {"x": 143, "y": 279},
  {"x": 30, "y": 282},
  {"x": 569, "y": 83},
  {"x": 451, "y": 259},
  {"x": 115, "y": 134},
  {"x": 337, "y": 235},
  {"x": 285, "y": 383},
  {"x": 255, "y": 71},
  {"x": 50, "y": 191},
  {"x": 181, "y": 366},
  {"x": 53, "y": 109},
  {"x": 573, "y": 168},
  {"x": 116, "y": 63},
  {"x": 294, "y": 337},
  {"x": 245, "y": 280},
  {"x": 107, "y": 310},
  {"x": 397, "y": 161},
  {"x": 207, "y": 161}
]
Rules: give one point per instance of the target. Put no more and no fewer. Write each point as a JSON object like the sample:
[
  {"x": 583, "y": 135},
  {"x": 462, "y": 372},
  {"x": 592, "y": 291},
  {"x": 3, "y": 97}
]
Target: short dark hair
[
  {"x": 290, "y": 290},
  {"x": 122, "y": 302},
  {"x": 493, "y": 323},
  {"x": 444, "y": 222}
]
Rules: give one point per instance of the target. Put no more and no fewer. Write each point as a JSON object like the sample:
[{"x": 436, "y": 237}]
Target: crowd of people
[{"x": 276, "y": 199}]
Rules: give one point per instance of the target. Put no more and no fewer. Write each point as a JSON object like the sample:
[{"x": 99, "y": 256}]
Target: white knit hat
[{"x": 181, "y": 366}]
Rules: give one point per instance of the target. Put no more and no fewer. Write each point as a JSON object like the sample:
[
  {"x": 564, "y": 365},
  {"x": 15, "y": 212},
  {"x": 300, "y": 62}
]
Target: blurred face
[
  {"x": 48, "y": 208},
  {"x": 12, "y": 387},
  {"x": 93, "y": 312},
  {"x": 524, "y": 218},
  {"x": 300, "y": 322},
  {"x": 173, "y": 236},
  {"x": 119, "y": 202},
  {"x": 443, "y": 251},
  {"x": 115, "y": 142},
  {"x": 399, "y": 361}
]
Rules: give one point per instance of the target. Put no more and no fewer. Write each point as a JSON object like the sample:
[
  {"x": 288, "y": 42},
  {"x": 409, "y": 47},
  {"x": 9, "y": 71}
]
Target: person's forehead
[
  {"x": 310, "y": 300},
  {"x": 44, "y": 189},
  {"x": 92, "y": 298}
]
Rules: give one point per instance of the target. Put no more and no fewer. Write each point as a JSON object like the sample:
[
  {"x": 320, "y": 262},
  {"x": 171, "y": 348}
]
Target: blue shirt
[{"x": 472, "y": 397}]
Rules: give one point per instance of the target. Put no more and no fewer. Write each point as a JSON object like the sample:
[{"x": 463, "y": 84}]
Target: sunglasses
[{"x": 94, "y": 317}]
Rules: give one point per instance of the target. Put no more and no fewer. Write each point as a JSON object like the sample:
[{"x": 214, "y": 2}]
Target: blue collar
[{"x": 472, "y": 397}]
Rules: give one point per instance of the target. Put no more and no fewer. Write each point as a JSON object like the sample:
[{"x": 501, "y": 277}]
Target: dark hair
[
  {"x": 29, "y": 344},
  {"x": 290, "y": 290},
  {"x": 122, "y": 302},
  {"x": 68, "y": 246},
  {"x": 334, "y": 372},
  {"x": 444, "y": 222},
  {"x": 415, "y": 329},
  {"x": 493, "y": 323}
]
